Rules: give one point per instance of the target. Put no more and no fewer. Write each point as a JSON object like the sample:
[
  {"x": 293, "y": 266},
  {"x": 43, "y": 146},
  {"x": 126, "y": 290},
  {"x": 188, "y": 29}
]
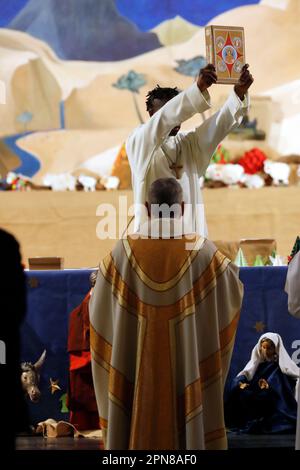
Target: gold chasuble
[{"x": 164, "y": 314}]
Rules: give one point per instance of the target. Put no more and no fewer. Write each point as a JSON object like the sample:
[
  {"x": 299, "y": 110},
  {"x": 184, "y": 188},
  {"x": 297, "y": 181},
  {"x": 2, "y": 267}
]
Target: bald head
[{"x": 165, "y": 198}]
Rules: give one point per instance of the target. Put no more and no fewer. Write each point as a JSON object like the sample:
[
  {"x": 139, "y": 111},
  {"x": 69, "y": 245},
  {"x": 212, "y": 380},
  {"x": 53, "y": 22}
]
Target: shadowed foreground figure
[
  {"x": 164, "y": 313},
  {"x": 13, "y": 307},
  {"x": 262, "y": 396}
]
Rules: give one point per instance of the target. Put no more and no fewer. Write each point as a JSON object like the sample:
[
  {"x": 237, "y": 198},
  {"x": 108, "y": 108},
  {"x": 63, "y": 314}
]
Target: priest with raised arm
[{"x": 157, "y": 149}]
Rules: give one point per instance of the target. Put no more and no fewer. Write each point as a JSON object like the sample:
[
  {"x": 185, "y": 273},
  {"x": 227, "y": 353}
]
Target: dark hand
[
  {"x": 245, "y": 81},
  {"x": 207, "y": 77}
]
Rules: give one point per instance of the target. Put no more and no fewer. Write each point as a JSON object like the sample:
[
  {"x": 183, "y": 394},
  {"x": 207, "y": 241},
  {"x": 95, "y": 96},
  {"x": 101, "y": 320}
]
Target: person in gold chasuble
[{"x": 163, "y": 315}]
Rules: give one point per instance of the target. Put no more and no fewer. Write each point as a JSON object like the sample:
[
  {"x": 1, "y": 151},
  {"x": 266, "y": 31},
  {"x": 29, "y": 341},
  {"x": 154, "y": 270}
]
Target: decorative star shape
[
  {"x": 260, "y": 326},
  {"x": 54, "y": 387},
  {"x": 228, "y": 42}
]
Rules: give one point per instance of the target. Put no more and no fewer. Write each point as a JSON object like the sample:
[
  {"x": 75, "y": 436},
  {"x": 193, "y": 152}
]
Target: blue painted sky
[
  {"x": 9, "y": 9},
  {"x": 147, "y": 14}
]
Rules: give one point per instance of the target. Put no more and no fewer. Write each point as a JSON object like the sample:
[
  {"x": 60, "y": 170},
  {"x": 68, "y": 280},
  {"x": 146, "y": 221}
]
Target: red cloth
[
  {"x": 77, "y": 361},
  {"x": 81, "y": 398},
  {"x": 79, "y": 327}
]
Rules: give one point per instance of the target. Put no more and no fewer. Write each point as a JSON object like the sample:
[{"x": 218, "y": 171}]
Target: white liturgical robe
[
  {"x": 292, "y": 288},
  {"x": 151, "y": 151}
]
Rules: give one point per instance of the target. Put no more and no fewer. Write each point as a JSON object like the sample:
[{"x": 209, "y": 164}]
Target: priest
[
  {"x": 163, "y": 315},
  {"x": 157, "y": 149}
]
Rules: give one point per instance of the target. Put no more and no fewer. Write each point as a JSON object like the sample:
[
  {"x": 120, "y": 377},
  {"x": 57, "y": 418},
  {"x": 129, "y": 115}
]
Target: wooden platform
[
  {"x": 61, "y": 443},
  {"x": 235, "y": 442}
]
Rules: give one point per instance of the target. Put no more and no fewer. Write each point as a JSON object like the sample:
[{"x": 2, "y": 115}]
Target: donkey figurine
[{"x": 30, "y": 377}]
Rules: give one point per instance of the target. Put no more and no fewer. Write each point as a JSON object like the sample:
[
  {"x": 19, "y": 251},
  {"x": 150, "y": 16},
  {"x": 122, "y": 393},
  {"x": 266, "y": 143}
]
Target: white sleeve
[
  {"x": 292, "y": 286},
  {"x": 205, "y": 138},
  {"x": 142, "y": 143}
]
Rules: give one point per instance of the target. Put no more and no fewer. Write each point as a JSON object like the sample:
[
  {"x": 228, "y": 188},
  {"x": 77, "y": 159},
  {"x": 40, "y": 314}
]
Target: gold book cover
[{"x": 225, "y": 48}]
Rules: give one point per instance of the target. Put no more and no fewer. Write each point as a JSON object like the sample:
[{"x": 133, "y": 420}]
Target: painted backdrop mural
[
  {"x": 76, "y": 73},
  {"x": 103, "y": 30}
]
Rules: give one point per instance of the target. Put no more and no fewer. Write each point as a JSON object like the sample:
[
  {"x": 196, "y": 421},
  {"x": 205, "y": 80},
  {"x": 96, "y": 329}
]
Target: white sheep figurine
[
  {"x": 279, "y": 171},
  {"x": 214, "y": 172},
  {"x": 229, "y": 174},
  {"x": 60, "y": 181},
  {"x": 232, "y": 174},
  {"x": 88, "y": 182},
  {"x": 252, "y": 181}
]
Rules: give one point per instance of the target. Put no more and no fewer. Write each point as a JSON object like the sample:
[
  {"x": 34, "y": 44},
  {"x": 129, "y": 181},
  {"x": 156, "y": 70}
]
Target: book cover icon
[{"x": 225, "y": 48}]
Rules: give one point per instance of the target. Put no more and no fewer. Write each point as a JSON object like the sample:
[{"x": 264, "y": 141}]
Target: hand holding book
[
  {"x": 206, "y": 77},
  {"x": 245, "y": 81}
]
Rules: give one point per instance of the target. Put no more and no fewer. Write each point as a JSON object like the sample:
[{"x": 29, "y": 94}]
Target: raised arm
[
  {"x": 142, "y": 143},
  {"x": 207, "y": 137}
]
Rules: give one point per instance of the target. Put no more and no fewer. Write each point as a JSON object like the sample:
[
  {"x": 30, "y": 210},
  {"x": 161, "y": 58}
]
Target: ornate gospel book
[{"x": 225, "y": 48}]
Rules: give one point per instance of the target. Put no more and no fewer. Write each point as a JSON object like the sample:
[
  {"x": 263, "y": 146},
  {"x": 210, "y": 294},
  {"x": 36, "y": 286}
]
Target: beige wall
[{"x": 64, "y": 224}]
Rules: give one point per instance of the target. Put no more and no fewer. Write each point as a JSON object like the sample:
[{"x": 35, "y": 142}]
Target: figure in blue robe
[{"x": 262, "y": 399}]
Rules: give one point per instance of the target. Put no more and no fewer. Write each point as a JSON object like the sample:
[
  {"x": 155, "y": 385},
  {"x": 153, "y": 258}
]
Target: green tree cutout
[
  {"x": 63, "y": 400},
  {"x": 240, "y": 259},
  {"x": 25, "y": 118},
  {"x": 259, "y": 261},
  {"x": 132, "y": 81},
  {"x": 191, "y": 68}
]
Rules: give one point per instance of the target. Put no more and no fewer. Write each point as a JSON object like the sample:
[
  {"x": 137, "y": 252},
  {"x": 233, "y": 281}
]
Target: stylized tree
[
  {"x": 240, "y": 259},
  {"x": 64, "y": 407},
  {"x": 25, "y": 118},
  {"x": 132, "y": 81},
  {"x": 191, "y": 67},
  {"x": 259, "y": 261}
]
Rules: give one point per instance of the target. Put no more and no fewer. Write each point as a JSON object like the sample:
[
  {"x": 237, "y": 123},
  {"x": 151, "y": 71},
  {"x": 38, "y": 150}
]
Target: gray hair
[{"x": 165, "y": 197}]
